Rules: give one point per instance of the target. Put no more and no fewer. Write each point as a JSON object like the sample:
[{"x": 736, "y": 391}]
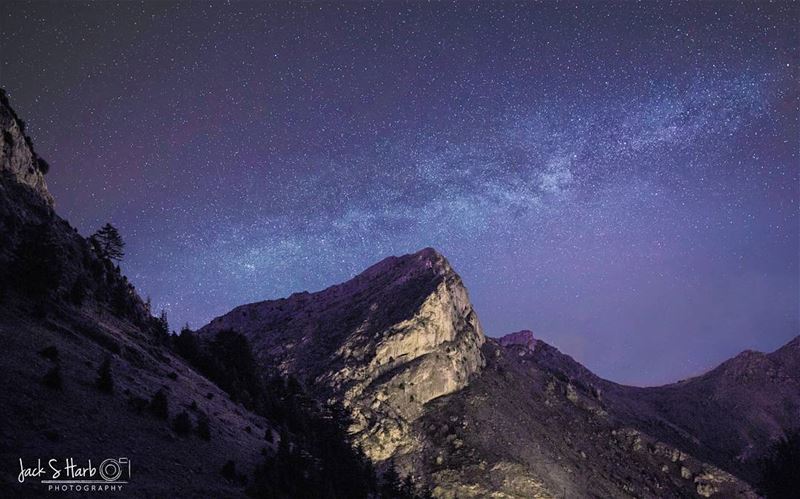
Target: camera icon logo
[{"x": 114, "y": 470}]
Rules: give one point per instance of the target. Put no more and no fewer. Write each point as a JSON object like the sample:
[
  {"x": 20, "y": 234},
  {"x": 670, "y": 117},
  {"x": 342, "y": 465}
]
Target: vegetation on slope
[{"x": 314, "y": 457}]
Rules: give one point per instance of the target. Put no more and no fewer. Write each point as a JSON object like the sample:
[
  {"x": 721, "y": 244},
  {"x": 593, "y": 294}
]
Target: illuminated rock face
[
  {"x": 17, "y": 157},
  {"x": 393, "y": 338}
]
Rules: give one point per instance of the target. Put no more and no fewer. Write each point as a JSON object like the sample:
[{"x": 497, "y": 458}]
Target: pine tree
[
  {"x": 186, "y": 344},
  {"x": 105, "y": 382},
  {"x": 159, "y": 404},
  {"x": 182, "y": 424},
  {"x": 203, "y": 429},
  {"x": 53, "y": 378},
  {"x": 161, "y": 327},
  {"x": 391, "y": 482},
  {"x": 108, "y": 243}
]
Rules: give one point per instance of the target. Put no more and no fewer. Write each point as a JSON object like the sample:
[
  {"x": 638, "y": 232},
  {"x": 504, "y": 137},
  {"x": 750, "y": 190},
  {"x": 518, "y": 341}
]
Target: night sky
[{"x": 620, "y": 178}]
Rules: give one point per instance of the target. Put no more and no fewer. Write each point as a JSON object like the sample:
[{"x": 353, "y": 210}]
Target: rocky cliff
[
  {"x": 17, "y": 156},
  {"x": 40, "y": 253},
  {"x": 395, "y": 337}
]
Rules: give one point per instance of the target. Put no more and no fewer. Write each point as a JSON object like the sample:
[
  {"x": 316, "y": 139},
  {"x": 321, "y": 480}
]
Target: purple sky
[{"x": 622, "y": 179}]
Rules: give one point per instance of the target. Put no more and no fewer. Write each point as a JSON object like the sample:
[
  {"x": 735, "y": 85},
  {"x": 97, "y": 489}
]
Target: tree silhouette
[
  {"x": 391, "y": 482},
  {"x": 53, "y": 378},
  {"x": 43, "y": 166},
  {"x": 105, "y": 381},
  {"x": 159, "y": 405},
  {"x": 108, "y": 243},
  {"x": 203, "y": 429},
  {"x": 182, "y": 424},
  {"x": 161, "y": 327}
]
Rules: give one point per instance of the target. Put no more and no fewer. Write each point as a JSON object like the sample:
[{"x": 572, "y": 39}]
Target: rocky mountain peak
[
  {"x": 17, "y": 156},
  {"x": 523, "y": 338},
  {"x": 426, "y": 261},
  {"x": 386, "y": 342}
]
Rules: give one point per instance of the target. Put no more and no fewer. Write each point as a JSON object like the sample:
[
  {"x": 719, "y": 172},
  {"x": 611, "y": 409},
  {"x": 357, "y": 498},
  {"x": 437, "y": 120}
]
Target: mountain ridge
[{"x": 612, "y": 419}]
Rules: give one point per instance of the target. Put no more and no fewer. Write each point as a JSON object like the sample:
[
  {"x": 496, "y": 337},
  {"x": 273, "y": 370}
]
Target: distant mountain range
[{"x": 400, "y": 347}]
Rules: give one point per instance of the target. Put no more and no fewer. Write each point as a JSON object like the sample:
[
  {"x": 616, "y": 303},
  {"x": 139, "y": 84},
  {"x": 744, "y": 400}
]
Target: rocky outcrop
[
  {"x": 17, "y": 156},
  {"x": 384, "y": 344},
  {"x": 522, "y": 338}
]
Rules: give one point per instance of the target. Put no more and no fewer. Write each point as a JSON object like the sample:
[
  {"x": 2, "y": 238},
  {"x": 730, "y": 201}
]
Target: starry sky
[{"x": 620, "y": 178}]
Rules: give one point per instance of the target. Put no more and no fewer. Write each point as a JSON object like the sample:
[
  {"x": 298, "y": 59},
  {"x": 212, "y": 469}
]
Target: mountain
[
  {"x": 729, "y": 415},
  {"x": 710, "y": 429},
  {"x": 469, "y": 416},
  {"x": 536, "y": 424},
  {"x": 385, "y": 343},
  {"x": 64, "y": 311},
  {"x": 89, "y": 374},
  {"x": 247, "y": 406}
]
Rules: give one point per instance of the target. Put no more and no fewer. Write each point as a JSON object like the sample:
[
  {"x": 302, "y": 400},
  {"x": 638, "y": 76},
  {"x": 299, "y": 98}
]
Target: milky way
[{"x": 622, "y": 179}]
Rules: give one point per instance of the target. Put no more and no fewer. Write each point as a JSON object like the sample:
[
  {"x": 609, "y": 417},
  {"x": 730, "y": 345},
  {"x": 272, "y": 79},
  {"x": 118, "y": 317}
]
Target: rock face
[
  {"x": 523, "y": 338},
  {"x": 395, "y": 337},
  {"x": 17, "y": 157}
]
